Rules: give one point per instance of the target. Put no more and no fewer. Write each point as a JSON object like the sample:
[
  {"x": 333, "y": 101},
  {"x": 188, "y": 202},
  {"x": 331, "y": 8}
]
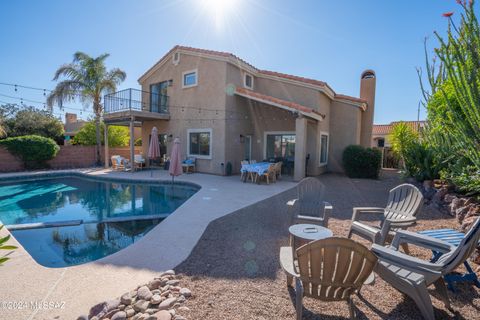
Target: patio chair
[
  {"x": 268, "y": 175},
  {"x": 404, "y": 203},
  {"x": 244, "y": 174},
  {"x": 278, "y": 170},
  {"x": 189, "y": 164},
  {"x": 117, "y": 163},
  {"x": 412, "y": 276},
  {"x": 330, "y": 269},
  {"x": 139, "y": 161},
  {"x": 253, "y": 161},
  {"x": 309, "y": 206}
]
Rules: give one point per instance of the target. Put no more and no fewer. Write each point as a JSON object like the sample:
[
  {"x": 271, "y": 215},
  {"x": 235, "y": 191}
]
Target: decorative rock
[
  {"x": 183, "y": 309},
  {"x": 82, "y": 317},
  {"x": 467, "y": 223},
  {"x": 448, "y": 198},
  {"x": 440, "y": 195},
  {"x": 120, "y": 315},
  {"x": 172, "y": 312},
  {"x": 185, "y": 292},
  {"x": 461, "y": 212},
  {"x": 181, "y": 299},
  {"x": 167, "y": 273},
  {"x": 156, "y": 299},
  {"x": 474, "y": 211},
  {"x": 144, "y": 293},
  {"x": 121, "y": 307},
  {"x": 179, "y": 317},
  {"x": 129, "y": 312},
  {"x": 154, "y": 284},
  {"x": 456, "y": 203},
  {"x": 167, "y": 303},
  {"x": 156, "y": 291},
  {"x": 126, "y": 299},
  {"x": 163, "y": 315},
  {"x": 165, "y": 293},
  {"x": 151, "y": 311},
  {"x": 140, "y": 306},
  {"x": 173, "y": 282},
  {"x": 97, "y": 310}
]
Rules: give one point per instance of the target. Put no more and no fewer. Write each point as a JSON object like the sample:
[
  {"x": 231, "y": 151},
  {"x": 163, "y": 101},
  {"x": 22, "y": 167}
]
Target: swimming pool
[{"x": 71, "y": 220}]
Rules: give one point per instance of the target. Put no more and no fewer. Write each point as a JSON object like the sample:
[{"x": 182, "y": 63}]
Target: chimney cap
[{"x": 368, "y": 74}]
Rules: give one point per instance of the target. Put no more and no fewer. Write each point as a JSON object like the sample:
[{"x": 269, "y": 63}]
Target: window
[
  {"x": 323, "y": 148},
  {"x": 190, "y": 79},
  {"x": 176, "y": 58},
  {"x": 158, "y": 97},
  {"x": 199, "y": 143},
  {"x": 381, "y": 143},
  {"x": 280, "y": 146},
  {"x": 248, "y": 81}
]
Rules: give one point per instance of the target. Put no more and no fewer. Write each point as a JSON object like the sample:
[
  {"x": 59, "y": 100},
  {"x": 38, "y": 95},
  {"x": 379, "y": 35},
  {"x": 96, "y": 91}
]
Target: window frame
[
  {"x": 245, "y": 75},
  {"x": 176, "y": 58},
  {"x": 210, "y": 147},
  {"x": 320, "y": 163},
  {"x": 194, "y": 71}
]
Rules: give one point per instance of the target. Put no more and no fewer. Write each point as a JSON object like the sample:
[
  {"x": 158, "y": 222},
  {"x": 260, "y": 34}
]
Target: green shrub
[
  {"x": 4, "y": 246},
  {"x": 33, "y": 150},
  {"x": 360, "y": 162},
  {"x": 118, "y": 136}
]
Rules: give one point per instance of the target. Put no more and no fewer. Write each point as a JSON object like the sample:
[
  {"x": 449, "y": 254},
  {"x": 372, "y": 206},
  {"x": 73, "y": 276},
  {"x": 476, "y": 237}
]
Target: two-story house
[{"x": 223, "y": 109}]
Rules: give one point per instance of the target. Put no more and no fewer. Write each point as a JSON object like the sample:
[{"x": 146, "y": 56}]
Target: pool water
[{"x": 108, "y": 216}]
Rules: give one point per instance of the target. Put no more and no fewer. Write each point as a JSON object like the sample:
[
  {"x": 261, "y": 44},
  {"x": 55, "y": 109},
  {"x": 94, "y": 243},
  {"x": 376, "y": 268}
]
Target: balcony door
[{"x": 158, "y": 96}]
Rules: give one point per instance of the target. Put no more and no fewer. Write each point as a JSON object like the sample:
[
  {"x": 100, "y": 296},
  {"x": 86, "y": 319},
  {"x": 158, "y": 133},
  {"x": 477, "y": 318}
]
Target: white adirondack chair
[
  {"x": 309, "y": 206},
  {"x": 404, "y": 203},
  {"x": 412, "y": 275},
  {"x": 330, "y": 269}
]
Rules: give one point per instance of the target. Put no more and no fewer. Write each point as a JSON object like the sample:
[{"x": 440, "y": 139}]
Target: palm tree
[{"x": 88, "y": 79}]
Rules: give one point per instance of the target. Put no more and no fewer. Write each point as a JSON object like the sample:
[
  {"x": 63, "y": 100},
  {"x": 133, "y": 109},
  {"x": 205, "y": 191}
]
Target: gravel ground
[{"x": 234, "y": 272}]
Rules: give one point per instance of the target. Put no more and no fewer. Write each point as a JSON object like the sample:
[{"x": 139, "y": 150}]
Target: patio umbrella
[
  {"x": 153, "y": 148},
  {"x": 175, "y": 160}
]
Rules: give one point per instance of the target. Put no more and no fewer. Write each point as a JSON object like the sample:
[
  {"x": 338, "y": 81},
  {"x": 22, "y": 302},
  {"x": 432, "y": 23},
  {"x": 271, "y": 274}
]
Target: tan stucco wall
[{"x": 345, "y": 126}]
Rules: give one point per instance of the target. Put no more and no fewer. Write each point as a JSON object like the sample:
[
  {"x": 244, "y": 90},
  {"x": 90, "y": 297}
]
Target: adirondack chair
[
  {"x": 412, "y": 275},
  {"x": 309, "y": 206},
  {"x": 404, "y": 203},
  {"x": 330, "y": 269}
]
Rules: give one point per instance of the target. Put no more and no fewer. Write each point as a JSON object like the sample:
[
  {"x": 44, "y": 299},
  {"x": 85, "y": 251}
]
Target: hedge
[
  {"x": 360, "y": 162},
  {"x": 33, "y": 150}
]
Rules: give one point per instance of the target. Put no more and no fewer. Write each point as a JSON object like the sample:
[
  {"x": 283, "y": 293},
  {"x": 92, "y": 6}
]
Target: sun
[{"x": 219, "y": 10}]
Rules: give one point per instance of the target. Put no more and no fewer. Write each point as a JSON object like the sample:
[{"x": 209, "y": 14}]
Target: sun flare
[{"x": 219, "y": 9}]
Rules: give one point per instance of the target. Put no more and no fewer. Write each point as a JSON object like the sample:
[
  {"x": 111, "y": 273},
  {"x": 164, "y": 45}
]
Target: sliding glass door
[{"x": 280, "y": 146}]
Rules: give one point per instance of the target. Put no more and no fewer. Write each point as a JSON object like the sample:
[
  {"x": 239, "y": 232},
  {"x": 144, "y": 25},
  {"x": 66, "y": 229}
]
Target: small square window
[
  {"x": 381, "y": 143},
  {"x": 248, "y": 81},
  {"x": 190, "y": 79}
]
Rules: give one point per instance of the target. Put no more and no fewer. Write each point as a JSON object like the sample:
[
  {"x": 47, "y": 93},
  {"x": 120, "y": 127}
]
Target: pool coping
[{"x": 164, "y": 247}]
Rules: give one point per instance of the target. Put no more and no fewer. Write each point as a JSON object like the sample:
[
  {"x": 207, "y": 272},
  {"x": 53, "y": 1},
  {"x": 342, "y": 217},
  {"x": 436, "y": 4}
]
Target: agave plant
[{"x": 4, "y": 246}]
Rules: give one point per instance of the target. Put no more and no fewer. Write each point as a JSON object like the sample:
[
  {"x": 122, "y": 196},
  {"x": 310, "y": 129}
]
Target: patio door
[
  {"x": 248, "y": 148},
  {"x": 281, "y": 147},
  {"x": 158, "y": 96}
]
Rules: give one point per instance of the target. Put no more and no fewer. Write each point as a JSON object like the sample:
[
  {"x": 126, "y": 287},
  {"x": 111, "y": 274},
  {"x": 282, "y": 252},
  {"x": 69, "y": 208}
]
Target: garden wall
[{"x": 67, "y": 158}]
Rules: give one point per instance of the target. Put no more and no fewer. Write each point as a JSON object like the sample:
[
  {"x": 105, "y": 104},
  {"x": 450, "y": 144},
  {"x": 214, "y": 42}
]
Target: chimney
[
  {"x": 70, "y": 117},
  {"x": 367, "y": 93}
]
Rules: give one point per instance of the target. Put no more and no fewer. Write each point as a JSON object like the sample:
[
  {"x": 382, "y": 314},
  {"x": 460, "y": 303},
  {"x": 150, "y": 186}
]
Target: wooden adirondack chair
[
  {"x": 412, "y": 275},
  {"x": 329, "y": 269},
  {"x": 309, "y": 206},
  {"x": 404, "y": 203}
]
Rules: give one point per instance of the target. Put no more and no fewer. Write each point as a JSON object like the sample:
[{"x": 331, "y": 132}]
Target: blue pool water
[{"x": 99, "y": 209}]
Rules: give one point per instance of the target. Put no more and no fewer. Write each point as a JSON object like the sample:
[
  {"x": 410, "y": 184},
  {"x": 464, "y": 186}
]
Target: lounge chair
[
  {"x": 139, "y": 161},
  {"x": 309, "y": 206},
  {"x": 404, "y": 203},
  {"x": 118, "y": 162},
  {"x": 329, "y": 269},
  {"x": 188, "y": 164},
  {"x": 412, "y": 275}
]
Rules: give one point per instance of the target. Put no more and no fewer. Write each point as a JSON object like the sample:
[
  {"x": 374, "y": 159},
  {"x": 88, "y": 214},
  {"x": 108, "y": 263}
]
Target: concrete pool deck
[{"x": 166, "y": 246}]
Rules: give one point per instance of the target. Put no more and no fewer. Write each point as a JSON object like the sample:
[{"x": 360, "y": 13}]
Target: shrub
[
  {"x": 360, "y": 162},
  {"x": 118, "y": 136},
  {"x": 33, "y": 150}
]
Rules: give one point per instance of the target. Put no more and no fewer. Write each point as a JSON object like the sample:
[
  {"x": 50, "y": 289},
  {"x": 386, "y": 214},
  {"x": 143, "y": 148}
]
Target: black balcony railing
[{"x": 133, "y": 99}]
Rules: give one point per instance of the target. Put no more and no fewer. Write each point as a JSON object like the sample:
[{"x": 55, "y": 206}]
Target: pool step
[{"x": 40, "y": 225}]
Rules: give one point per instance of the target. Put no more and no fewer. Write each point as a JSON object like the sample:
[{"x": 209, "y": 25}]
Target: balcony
[{"x": 137, "y": 104}]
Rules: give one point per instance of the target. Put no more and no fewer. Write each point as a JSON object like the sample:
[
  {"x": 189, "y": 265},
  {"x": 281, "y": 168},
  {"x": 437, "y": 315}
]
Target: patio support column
[
  {"x": 105, "y": 140},
  {"x": 300, "y": 148},
  {"x": 132, "y": 144}
]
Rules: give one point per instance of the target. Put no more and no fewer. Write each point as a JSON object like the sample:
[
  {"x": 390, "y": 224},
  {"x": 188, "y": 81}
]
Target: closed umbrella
[
  {"x": 175, "y": 160},
  {"x": 153, "y": 147}
]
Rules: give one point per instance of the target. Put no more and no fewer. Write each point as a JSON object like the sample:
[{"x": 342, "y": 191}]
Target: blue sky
[{"x": 333, "y": 41}]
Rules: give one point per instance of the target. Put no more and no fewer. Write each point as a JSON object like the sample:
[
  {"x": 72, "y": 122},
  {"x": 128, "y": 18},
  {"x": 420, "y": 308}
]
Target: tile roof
[
  {"x": 264, "y": 72},
  {"x": 384, "y": 129},
  {"x": 288, "y": 104}
]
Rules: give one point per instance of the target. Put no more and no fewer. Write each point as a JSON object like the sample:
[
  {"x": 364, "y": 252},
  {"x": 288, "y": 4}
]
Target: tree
[
  {"x": 88, "y": 79},
  {"x": 27, "y": 120},
  {"x": 118, "y": 136}
]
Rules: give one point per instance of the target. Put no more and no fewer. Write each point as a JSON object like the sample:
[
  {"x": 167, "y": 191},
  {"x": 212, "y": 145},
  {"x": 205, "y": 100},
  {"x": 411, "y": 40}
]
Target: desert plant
[
  {"x": 33, "y": 150},
  {"x": 360, "y": 162},
  {"x": 86, "y": 78},
  {"x": 4, "y": 246}
]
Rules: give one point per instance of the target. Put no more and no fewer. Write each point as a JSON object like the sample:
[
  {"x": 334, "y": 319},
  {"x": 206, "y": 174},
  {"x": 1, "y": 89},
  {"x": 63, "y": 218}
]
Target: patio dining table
[{"x": 258, "y": 168}]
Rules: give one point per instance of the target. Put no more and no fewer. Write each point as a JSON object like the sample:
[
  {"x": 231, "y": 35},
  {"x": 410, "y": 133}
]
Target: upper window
[
  {"x": 200, "y": 143},
  {"x": 323, "y": 148},
  {"x": 176, "y": 58},
  {"x": 190, "y": 79},
  {"x": 248, "y": 81},
  {"x": 381, "y": 143}
]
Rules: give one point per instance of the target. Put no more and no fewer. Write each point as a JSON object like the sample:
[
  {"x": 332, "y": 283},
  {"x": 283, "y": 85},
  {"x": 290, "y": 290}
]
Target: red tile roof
[
  {"x": 288, "y": 104},
  {"x": 385, "y": 129},
  {"x": 264, "y": 72}
]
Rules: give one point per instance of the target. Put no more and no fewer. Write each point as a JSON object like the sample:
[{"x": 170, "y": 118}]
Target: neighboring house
[
  {"x": 226, "y": 110},
  {"x": 72, "y": 126},
  {"x": 380, "y": 139}
]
